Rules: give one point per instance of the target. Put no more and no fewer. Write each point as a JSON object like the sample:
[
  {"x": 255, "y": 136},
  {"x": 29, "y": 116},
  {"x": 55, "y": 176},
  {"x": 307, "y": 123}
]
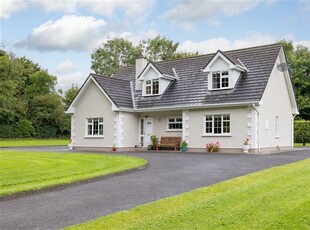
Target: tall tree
[
  {"x": 299, "y": 60},
  {"x": 70, "y": 95},
  {"x": 118, "y": 52},
  {"x": 159, "y": 48},
  {"x": 113, "y": 54}
]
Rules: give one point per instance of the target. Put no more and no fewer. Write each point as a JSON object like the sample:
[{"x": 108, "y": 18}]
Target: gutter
[
  {"x": 258, "y": 133},
  {"x": 189, "y": 107}
]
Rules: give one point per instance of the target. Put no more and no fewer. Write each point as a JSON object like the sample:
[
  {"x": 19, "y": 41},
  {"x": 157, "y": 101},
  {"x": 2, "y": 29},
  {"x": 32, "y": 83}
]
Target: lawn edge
[{"x": 68, "y": 185}]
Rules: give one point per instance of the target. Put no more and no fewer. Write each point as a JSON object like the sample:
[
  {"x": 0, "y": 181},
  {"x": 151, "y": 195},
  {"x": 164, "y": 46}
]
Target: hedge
[{"x": 302, "y": 132}]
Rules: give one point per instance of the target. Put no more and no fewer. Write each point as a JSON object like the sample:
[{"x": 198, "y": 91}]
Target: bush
[
  {"x": 302, "y": 132},
  {"x": 24, "y": 128},
  {"x": 7, "y": 131},
  {"x": 46, "y": 131}
]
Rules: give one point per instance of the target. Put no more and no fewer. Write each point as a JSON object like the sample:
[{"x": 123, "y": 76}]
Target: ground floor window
[
  {"x": 175, "y": 123},
  {"x": 217, "y": 124},
  {"x": 95, "y": 126}
]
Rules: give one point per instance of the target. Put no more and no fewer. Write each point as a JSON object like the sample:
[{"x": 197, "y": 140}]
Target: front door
[{"x": 146, "y": 131}]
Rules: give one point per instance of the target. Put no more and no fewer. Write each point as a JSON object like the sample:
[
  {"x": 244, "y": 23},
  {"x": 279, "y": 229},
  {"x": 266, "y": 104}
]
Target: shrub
[
  {"x": 213, "y": 146},
  {"x": 46, "y": 131},
  {"x": 24, "y": 128},
  {"x": 302, "y": 132},
  {"x": 6, "y": 131}
]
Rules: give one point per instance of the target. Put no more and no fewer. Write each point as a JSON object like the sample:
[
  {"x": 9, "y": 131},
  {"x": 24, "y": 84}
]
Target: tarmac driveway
[{"x": 168, "y": 174}]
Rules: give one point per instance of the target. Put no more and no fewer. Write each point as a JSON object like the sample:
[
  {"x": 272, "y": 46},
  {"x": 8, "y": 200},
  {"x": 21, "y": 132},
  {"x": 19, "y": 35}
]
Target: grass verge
[
  {"x": 32, "y": 142},
  {"x": 301, "y": 145},
  {"x": 276, "y": 198},
  {"x": 24, "y": 171}
]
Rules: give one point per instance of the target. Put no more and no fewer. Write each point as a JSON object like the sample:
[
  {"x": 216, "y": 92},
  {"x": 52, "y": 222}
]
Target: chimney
[{"x": 141, "y": 63}]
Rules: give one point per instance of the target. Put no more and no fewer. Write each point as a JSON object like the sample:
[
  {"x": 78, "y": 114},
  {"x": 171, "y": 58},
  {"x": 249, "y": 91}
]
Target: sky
[{"x": 60, "y": 35}]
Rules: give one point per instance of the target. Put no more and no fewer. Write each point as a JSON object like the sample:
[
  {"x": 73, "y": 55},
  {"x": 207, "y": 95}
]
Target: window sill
[
  {"x": 277, "y": 137},
  {"x": 150, "y": 95},
  {"x": 216, "y": 135},
  {"x": 174, "y": 130},
  {"x": 220, "y": 89},
  {"x": 93, "y": 137}
]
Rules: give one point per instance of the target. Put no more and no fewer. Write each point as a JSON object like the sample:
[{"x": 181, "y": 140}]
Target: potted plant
[
  {"x": 113, "y": 148},
  {"x": 183, "y": 146},
  {"x": 246, "y": 145},
  {"x": 213, "y": 147},
  {"x": 154, "y": 141}
]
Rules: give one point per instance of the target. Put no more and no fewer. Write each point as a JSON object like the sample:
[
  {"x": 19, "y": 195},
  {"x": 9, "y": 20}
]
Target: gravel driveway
[{"x": 168, "y": 174}]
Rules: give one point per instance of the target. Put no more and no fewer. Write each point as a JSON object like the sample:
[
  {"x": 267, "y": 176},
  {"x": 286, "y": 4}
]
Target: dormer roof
[
  {"x": 164, "y": 71},
  {"x": 233, "y": 61}
]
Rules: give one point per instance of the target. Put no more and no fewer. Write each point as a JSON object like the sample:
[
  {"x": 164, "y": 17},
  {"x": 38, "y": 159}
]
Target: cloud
[
  {"x": 8, "y": 7},
  {"x": 71, "y": 32},
  {"x": 214, "y": 44},
  {"x": 138, "y": 9},
  {"x": 66, "y": 6},
  {"x": 187, "y": 13},
  {"x": 65, "y": 67},
  {"x": 305, "y": 43},
  {"x": 65, "y": 81}
]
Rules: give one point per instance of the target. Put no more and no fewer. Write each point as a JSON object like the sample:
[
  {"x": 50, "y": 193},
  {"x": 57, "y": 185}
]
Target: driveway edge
[{"x": 64, "y": 186}]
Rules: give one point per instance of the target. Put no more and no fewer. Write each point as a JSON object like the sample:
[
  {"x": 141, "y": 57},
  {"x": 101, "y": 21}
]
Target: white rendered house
[{"x": 225, "y": 97}]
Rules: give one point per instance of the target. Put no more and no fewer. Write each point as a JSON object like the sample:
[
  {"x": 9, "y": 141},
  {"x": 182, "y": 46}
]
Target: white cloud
[
  {"x": 8, "y": 7},
  {"x": 189, "y": 12},
  {"x": 138, "y": 9},
  {"x": 65, "y": 81},
  {"x": 305, "y": 43},
  {"x": 66, "y": 66},
  {"x": 71, "y": 32},
  {"x": 67, "y": 6},
  {"x": 214, "y": 44}
]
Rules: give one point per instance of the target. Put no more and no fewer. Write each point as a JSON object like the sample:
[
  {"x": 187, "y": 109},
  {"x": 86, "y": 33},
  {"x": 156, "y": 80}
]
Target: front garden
[
  {"x": 276, "y": 198},
  {"x": 25, "y": 171},
  {"x": 25, "y": 142}
]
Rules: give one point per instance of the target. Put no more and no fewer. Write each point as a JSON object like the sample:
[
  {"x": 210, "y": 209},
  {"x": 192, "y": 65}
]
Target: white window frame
[
  {"x": 221, "y": 79},
  {"x": 222, "y": 125},
  {"x": 174, "y": 122},
  {"x": 93, "y": 119},
  {"x": 151, "y": 84}
]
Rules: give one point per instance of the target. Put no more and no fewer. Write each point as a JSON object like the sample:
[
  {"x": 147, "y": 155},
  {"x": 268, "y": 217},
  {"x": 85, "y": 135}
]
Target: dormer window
[
  {"x": 220, "y": 79},
  {"x": 152, "y": 87}
]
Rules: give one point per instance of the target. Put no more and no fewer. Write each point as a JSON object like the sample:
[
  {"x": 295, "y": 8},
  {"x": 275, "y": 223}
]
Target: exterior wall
[
  {"x": 93, "y": 104},
  {"x": 160, "y": 124},
  {"x": 275, "y": 102},
  {"x": 131, "y": 129},
  {"x": 238, "y": 128}
]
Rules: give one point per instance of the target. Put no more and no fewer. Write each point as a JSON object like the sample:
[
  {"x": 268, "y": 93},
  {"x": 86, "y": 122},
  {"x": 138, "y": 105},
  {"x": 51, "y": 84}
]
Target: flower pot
[
  {"x": 246, "y": 148},
  {"x": 183, "y": 149}
]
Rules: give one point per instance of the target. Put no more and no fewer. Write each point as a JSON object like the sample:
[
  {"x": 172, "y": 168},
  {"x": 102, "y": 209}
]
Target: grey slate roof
[
  {"x": 191, "y": 88},
  {"x": 118, "y": 90}
]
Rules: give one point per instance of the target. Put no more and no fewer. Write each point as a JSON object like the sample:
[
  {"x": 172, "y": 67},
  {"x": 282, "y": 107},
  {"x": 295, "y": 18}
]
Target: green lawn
[
  {"x": 24, "y": 171},
  {"x": 300, "y": 144},
  {"x": 32, "y": 142},
  {"x": 276, "y": 198}
]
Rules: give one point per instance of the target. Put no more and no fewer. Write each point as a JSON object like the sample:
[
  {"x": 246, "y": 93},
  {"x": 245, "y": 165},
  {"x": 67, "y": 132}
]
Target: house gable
[{"x": 84, "y": 88}]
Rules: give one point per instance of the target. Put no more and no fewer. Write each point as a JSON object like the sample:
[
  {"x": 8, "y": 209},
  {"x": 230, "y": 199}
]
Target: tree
[
  {"x": 29, "y": 104},
  {"x": 159, "y": 49},
  {"x": 70, "y": 95},
  {"x": 299, "y": 61},
  {"x": 113, "y": 54}
]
